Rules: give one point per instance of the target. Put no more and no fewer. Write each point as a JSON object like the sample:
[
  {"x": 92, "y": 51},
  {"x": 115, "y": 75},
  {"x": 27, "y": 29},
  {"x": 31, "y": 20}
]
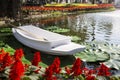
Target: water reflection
[{"x": 102, "y": 26}]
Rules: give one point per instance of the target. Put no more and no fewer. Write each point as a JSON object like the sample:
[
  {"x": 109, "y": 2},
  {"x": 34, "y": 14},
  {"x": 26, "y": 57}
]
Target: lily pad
[
  {"x": 113, "y": 63},
  {"x": 57, "y": 29},
  {"x": 92, "y": 56},
  {"x": 75, "y": 38}
]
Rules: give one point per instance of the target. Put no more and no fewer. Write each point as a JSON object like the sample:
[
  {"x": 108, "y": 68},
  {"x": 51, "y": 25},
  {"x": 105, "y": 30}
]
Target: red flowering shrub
[
  {"x": 49, "y": 73},
  {"x": 7, "y": 60},
  {"x": 68, "y": 70},
  {"x": 76, "y": 69},
  {"x": 52, "y": 69},
  {"x": 88, "y": 72},
  {"x": 56, "y": 65},
  {"x": 90, "y": 78},
  {"x": 36, "y": 59},
  {"x": 18, "y": 54},
  {"x": 2, "y": 54},
  {"x": 17, "y": 70},
  {"x": 103, "y": 70},
  {"x": 53, "y": 72}
]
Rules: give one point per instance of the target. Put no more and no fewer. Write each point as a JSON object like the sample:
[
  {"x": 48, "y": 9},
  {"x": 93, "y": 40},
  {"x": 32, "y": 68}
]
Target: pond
[{"x": 104, "y": 26}]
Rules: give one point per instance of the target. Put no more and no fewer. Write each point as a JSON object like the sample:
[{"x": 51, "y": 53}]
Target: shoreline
[{"x": 34, "y": 14}]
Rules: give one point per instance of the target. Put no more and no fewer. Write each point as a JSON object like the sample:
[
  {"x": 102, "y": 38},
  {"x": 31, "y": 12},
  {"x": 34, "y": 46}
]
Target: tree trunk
[
  {"x": 9, "y": 8},
  {"x": 3, "y": 8},
  {"x": 93, "y": 1}
]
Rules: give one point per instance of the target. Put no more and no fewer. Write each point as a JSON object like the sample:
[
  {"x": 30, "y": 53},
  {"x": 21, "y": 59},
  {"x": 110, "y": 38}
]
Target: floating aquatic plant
[
  {"x": 75, "y": 38},
  {"x": 93, "y": 55},
  {"x": 109, "y": 54},
  {"x": 5, "y": 30},
  {"x": 57, "y": 29}
]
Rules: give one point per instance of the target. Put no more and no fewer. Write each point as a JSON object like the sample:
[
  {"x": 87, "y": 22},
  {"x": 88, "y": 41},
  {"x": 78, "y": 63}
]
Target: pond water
[{"x": 104, "y": 26}]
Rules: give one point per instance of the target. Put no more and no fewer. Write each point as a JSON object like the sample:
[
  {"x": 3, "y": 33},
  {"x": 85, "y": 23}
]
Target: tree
[
  {"x": 9, "y": 8},
  {"x": 93, "y": 1}
]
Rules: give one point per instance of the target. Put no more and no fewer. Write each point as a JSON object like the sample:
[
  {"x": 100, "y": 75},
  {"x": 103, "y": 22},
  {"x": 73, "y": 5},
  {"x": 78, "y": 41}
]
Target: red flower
[
  {"x": 53, "y": 68},
  {"x": 18, "y": 53},
  {"x": 7, "y": 60},
  {"x": 2, "y": 54},
  {"x": 90, "y": 78},
  {"x": 36, "y": 59},
  {"x": 67, "y": 69},
  {"x": 88, "y": 72},
  {"x": 2, "y": 51},
  {"x": 76, "y": 69},
  {"x": 103, "y": 70},
  {"x": 49, "y": 73},
  {"x": 26, "y": 66},
  {"x": 37, "y": 71},
  {"x": 17, "y": 70},
  {"x": 56, "y": 65}
]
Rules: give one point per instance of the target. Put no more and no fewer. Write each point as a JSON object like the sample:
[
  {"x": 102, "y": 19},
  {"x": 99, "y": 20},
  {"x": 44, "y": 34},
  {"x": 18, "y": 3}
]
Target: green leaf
[
  {"x": 113, "y": 63},
  {"x": 86, "y": 57},
  {"x": 32, "y": 77},
  {"x": 75, "y": 38},
  {"x": 102, "y": 78},
  {"x": 92, "y": 55},
  {"x": 9, "y": 49},
  {"x": 57, "y": 29},
  {"x": 25, "y": 61}
]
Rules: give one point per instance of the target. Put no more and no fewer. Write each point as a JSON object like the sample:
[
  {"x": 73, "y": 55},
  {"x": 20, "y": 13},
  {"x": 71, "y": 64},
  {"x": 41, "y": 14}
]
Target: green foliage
[
  {"x": 115, "y": 78},
  {"x": 109, "y": 54},
  {"x": 5, "y": 30},
  {"x": 92, "y": 54},
  {"x": 114, "y": 55},
  {"x": 9, "y": 49},
  {"x": 103, "y": 78},
  {"x": 26, "y": 78},
  {"x": 57, "y": 29},
  {"x": 75, "y": 38}
]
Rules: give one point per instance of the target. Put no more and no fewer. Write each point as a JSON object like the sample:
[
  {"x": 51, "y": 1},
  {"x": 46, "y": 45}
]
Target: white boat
[{"x": 46, "y": 41}]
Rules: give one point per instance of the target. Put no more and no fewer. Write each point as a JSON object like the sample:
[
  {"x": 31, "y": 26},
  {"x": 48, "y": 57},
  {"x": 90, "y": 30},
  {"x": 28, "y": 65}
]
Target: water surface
[{"x": 104, "y": 26}]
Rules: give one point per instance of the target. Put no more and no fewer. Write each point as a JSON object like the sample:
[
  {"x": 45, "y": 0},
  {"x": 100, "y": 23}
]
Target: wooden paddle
[{"x": 36, "y": 36}]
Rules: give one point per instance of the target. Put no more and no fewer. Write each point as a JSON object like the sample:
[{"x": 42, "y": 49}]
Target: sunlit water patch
[{"x": 102, "y": 26}]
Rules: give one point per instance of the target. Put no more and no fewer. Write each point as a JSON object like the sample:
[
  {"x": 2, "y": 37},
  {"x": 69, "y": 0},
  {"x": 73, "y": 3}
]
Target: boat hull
[{"x": 68, "y": 48}]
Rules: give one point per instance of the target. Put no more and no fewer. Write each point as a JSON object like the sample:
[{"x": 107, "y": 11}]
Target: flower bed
[
  {"x": 67, "y": 8},
  {"x": 12, "y": 67}
]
